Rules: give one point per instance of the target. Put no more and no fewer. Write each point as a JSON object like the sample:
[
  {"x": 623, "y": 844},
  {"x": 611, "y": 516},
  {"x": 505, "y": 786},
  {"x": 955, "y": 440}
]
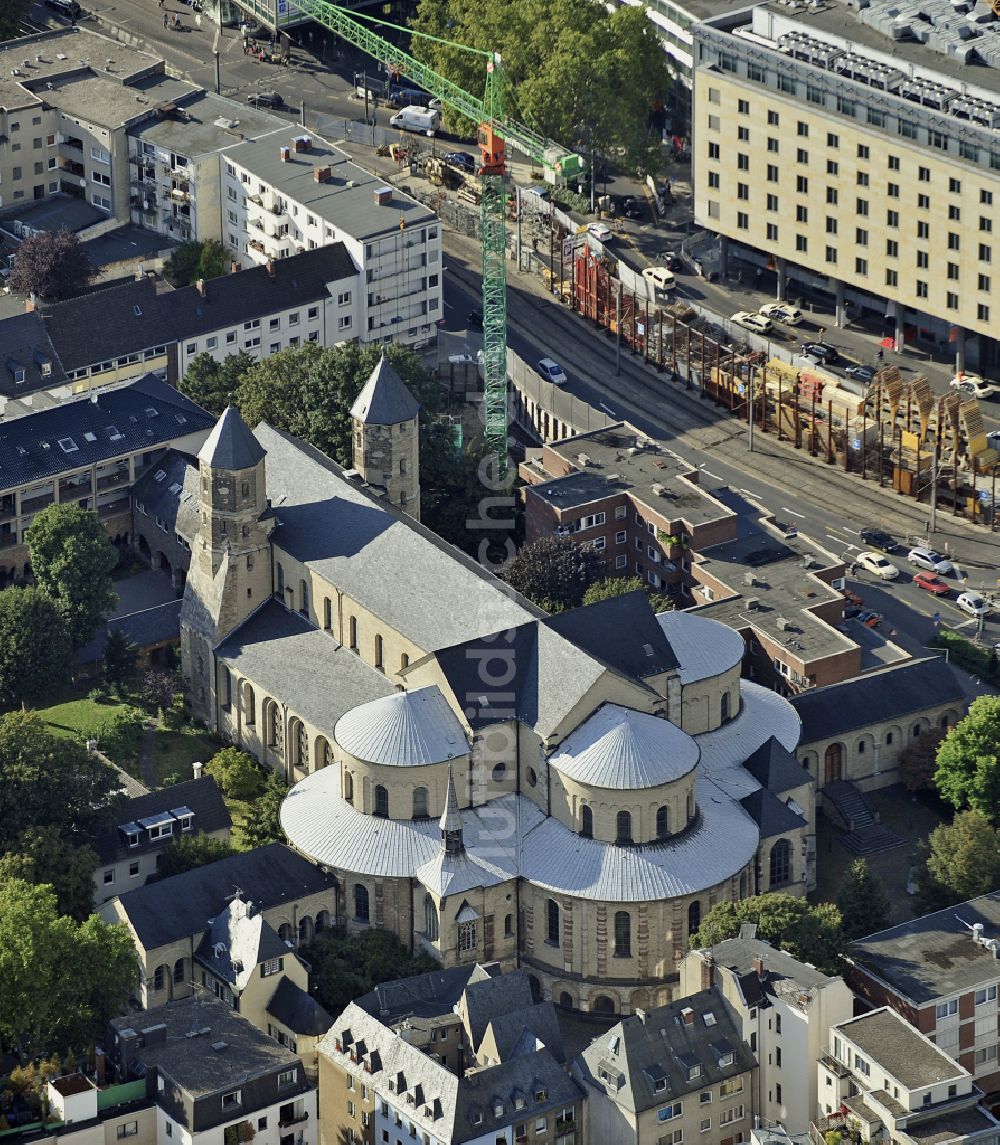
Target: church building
[{"x": 568, "y": 794}]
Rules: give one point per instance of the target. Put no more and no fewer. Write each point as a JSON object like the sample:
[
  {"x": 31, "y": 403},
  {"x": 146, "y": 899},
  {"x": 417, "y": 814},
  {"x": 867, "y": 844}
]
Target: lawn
[{"x": 76, "y": 718}]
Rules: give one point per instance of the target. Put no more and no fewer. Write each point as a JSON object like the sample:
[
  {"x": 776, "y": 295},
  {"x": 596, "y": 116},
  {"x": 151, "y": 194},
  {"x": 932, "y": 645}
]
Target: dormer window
[
  {"x": 133, "y": 838},
  {"x": 727, "y": 1059},
  {"x": 661, "y": 1084},
  {"x": 16, "y": 370},
  {"x": 694, "y": 1073}
]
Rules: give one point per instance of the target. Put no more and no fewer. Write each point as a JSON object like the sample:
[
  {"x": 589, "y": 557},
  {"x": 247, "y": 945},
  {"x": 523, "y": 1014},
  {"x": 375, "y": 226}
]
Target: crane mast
[{"x": 494, "y": 133}]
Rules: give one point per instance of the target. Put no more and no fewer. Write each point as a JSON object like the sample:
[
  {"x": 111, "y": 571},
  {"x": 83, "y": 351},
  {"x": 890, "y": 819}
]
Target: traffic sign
[
  {"x": 984, "y": 495},
  {"x": 856, "y": 443},
  {"x": 741, "y": 389}
]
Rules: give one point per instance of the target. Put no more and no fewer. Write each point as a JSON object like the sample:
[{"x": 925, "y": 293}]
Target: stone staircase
[{"x": 848, "y": 809}]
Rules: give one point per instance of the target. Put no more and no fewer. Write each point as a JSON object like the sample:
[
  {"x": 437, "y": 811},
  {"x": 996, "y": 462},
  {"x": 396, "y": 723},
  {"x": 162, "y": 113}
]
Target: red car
[
  {"x": 931, "y": 582},
  {"x": 851, "y": 597}
]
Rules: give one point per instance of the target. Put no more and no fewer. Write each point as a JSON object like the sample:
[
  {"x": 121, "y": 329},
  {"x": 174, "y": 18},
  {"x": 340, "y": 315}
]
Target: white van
[
  {"x": 661, "y": 278},
  {"x": 420, "y": 119}
]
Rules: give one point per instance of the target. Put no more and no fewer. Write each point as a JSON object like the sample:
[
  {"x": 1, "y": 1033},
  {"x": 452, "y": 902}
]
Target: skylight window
[
  {"x": 152, "y": 411},
  {"x": 68, "y": 445},
  {"x": 114, "y": 433},
  {"x": 160, "y": 475},
  {"x": 88, "y": 436}
]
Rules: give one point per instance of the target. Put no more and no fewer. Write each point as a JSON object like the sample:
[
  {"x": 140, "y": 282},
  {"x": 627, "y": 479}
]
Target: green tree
[
  {"x": 611, "y": 586},
  {"x": 554, "y": 572},
  {"x": 60, "y": 981},
  {"x": 918, "y": 761},
  {"x": 578, "y": 74},
  {"x": 51, "y": 264},
  {"x": 964, "y": 858},
  {"x": 193, "y": 260},
  {"x": 12, "y": 12},
  {"x": 863, "y": 904},
  {"x": 262, "y": 823},
  {"x": 159, "y": 689},
  {"x": 212, "y": 384},
  {"x": 191, "y": 851},
  {"x": 49, "y": 781},
  {"x": 72, "y": 559},
  {"x": 44, "y": 855},
  {"x": 119, "y": 736},
  {"x": 237, "y": 774},
  {"x": 968, "y": 760},
  {"x": 810, "y": 933},
  {"x": 344, "y": 966},
  {"x": 119, "y": 658},
  {"x": 36, "y": 659}
]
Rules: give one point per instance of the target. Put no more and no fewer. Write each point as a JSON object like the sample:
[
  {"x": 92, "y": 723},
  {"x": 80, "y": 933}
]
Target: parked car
[
  {"x": 462, "y": 160},
  {"x": 781, "y": 312},
  {"x": 869, "y": 618},
  {"x": 630, "y": 207},
  {"x": 973, "y": 603},
  {"x": 551, "y": 371},
  {"x": 852, "y": 598},
  {"x": 474, "y": 319},
  {"x": 862, "y": 373},
  {"x": 974, "y": 384},
  {"x": 750, "y": 321},
  {"x": 931, "y": 582},
  {"x": 822, "y": 352},
  {"x": 68, "y": 8},
  {"x": 877, "y": 564},
  {"x": 670, "y": 259},
  {"x": 660, "y": 277},
  {"x": 601, "y": 231},
  {"x": 878, "y": 540},
  {"x": 265, "y": 99},
  {"x": 925, "y": 558}
]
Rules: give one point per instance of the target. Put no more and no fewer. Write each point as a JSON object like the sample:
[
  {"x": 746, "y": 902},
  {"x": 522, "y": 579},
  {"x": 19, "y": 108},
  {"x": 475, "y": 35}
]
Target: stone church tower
[
  {"x": 387, "y": 438},
  {"x": 230, "y": 573}
]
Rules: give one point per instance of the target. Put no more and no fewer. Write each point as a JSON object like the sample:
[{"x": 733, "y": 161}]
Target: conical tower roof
[
  {"x": 451, "y": 818},
  {"x": 385, "y": 400},
  {"x": 231, "y": 445}
]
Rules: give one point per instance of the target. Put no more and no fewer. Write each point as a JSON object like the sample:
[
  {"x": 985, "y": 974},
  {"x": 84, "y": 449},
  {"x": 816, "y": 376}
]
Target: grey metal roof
[
  {"x": 142, "y": 415},
  {"x": 406, "y": 729},
  {"x": 385, "y": 400},
  {"x": 394, "y": 567},
  {"x": 705, "y": 648},
  {"x": 181, "y": 906},
  {"x": 282, "y": 654},
  {"x": 237, "y": 942},
  {"x": 935, "y": 956},
  {"x": 296, "y": 1010},
  {"x": 899, "y": 1049},
  {"x": 624, "y": 750},
  {"x": 231, "y": 445},
  {"x": 783, "y": 971},
  {"x": 650, "y": 1058},
  {"x": 876, "y": 698}
]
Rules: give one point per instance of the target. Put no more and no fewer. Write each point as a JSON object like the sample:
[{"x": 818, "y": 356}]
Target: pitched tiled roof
[
  {"x": 142, "y": 415},
  {"x": 181, "y": 906},
  {"x": 385, "y": 400},
  {"x": 231, "y": 445},
  {"x": 298, "y": 1011},
  {"x": 876, "y": 697},
  {"x": 25, "y": 346},
  {"x": 200, "y": 796},
  {"x": 622, "y": 631},
  {"x": 772, "y": 817}
]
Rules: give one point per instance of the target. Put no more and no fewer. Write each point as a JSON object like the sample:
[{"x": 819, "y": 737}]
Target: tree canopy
[
  {"x": 962, "y": 861},
  {"x": 12, "y": 12},
  {"x": 863, "y": 904},
  {"x": 48, "y": 781},
  {"x": 968, "y": 760},
  {"x": 262, "y": 823},
  {"x": 607, "y": 588},
  {"x": 72, "y": 559},
  {"x": 212, "y": 384},
  {"x": 51, "y": 264},
  {"x": 554, "y": 572},
  {"x": 575, "y": 71},
  {"x": 810, "y": 933},
  {"x": 918, "y": 761},
  {"x": 191, "y": 851},
  {"x": 60, "y": 981},
  {"x": 35, "y": 654},
  {"x": 193, "y": 260},
  {"x": 44, "y": 855},
  {"x": 238, "y": 774}
]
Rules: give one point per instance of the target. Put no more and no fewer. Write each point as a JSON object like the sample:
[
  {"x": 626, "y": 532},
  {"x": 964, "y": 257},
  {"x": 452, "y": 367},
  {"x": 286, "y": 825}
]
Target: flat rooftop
[
  {"x": 61, "y": 52},
  {"x": 892, "y": 1043},
  {"x": 126, "y": 243},
  {"x": 345, "y": 200},
  {"x": 935, "y": 956},
  {"x": 951, "y": 1126},
  {"x": 104, "y": 100},
  {"x": 60, "y": 213},
  {"x": 620, "y": 458},
  {"x": 207, "y": 122}
]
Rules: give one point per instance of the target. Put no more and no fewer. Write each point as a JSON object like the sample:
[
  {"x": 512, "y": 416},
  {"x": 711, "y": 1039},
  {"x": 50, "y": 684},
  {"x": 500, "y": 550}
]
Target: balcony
[
  {"x": 181, "y": 193},
  {"x": 120, "y": 505},
  {"x": 112, "y": 480},
  {"x": 257, "y": 245},
  {"x": 286, "y": 1122},
  {"x": 8, "y": 509},
  {"x": 36, "y": 504},
  {"x": 72, "y": 167},
  {"x": 72, "y": 143},
  {"x": 8, "y": 540}
]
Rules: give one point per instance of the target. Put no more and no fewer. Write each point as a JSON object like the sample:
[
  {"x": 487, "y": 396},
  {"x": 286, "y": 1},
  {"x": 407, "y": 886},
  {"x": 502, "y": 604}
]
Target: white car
[
  {"x": 781, "y": 312},
  {"x": 973, "y": 603},
  {"x": 660, "y": 277},
  {"x": 877, "y": 564},
  {"x": 925, "y": 558},
  {"x": 755, "y": 322},
  {"x": 552, "y": 372},
  {"x": 600, "y": 231},
  {"x": 975, "y": 385}
]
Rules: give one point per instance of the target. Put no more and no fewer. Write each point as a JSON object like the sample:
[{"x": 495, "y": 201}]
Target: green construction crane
[{"x": 495, "y": 130}]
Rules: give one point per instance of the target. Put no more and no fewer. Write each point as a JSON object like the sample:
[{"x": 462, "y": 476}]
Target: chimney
[
  {"x": 641, "y": 1015},
  {"x": 100, "y": 1065},
  {"x": 200, "y": 287},
  {"x": 197, "y": 767},
  {"x": 707, "y": 971},
  {"x": 270, "y": 268},
  {"x": 302, "y": 143},
  {"x": 383, "y": 196},
  {"x": 321, "y": 174},
  {"x": 285, "y": 153},
  {"x": 688, "y": 1015},
  {"x": 758, "y": 967}
]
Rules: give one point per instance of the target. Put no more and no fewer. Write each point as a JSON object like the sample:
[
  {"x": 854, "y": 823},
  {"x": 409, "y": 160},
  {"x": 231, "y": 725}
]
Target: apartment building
[
  {"x": 213, "y": 1077},
  {"x": 282, "y": 195},
  {"x": 854, "y": 150},
  {"x": 883, "y": 1081},
  {"x": 784, "y": 1009},
  {"x": 88, "y": 452},
  {"x": 674, "y": 1074},
  {"x": 941, "y": 972}
]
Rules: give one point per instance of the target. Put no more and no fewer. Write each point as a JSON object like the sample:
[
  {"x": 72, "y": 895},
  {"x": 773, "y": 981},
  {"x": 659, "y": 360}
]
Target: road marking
[
  {"x": 608, "y": 410},
  {"x": 448, "y": 306},
  {"x": 793, "y": 513},
  {"x": 708, "y": 472}
]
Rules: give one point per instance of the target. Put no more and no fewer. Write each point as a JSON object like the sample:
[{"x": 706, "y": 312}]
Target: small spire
[{"x": 452, "y": 841}]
